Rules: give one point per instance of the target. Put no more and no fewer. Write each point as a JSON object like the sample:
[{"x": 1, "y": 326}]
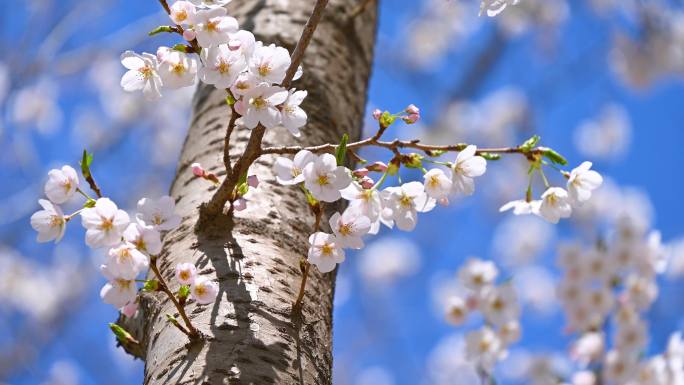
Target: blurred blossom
[
  {"x": 607, "y": 137},
  {"x": 443, "y": 287},
  {"x": 447, "y": 365},
  {"x": 546, "y": 368},
  {"x": 36, "y": 107},
  {"x": 535, "y": 286},
  {"x": 543, "y": 14},
  {"x": 4, "y": 81},
  {"x": 675, "y": 250},
  {"x": 516, "y": 365},
  {"x": 375, "y": 376},
  {"x": 388, "y": 259},
  {"x": 519, "y": 240},
  {"x": 89, "y": 129}
]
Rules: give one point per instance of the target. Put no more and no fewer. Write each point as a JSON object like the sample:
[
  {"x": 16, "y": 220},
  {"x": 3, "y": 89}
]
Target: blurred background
[{"x": 599, "y": 80}]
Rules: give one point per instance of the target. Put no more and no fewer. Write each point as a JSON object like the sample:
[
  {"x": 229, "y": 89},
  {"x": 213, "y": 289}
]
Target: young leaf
[
  {"x": 530, "y": 143},
  {"x": 160, "y": 29},
  {"x": 490, "y": 156},
  {"x": 341, "y": 150},
  {"x": 553, "y": 156}
]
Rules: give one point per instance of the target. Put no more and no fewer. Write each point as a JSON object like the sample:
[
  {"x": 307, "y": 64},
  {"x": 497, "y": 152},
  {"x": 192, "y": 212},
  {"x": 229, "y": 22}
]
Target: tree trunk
[{"x": 255, "y": 256}]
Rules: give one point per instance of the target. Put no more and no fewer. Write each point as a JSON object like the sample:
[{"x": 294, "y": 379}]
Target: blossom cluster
[
  {"x": 228, "y": 58},
  {"x": 369, "y": 206},
  {"x": 613, "y": 284},
  {"x": 556, "y": 202},
  {"x": 130, "y": 242},
  {"x": 498, "y": 305}
]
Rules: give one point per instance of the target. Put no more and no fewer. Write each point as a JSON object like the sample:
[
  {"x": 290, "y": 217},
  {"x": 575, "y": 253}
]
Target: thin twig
[
  {"x": 318, "y": 211},
  {"x": 229, "y": 132},
  {"x": 191, "y": 332},
  {"x": 253, "y": 147}
]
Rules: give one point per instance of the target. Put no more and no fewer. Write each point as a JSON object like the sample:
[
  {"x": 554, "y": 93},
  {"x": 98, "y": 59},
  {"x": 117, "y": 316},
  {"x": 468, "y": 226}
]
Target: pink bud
[
  {"x": 252, "y": 181},
  {"x": 129, "y": 309},
  {"x": 443, "y": 201},
  {"x": 366, "y": 182},
  {"x": 234, "y": 45},
  {"x": 189, "y": 35},
  {"x": 377, "y": 167},
  {"x": 412, "y": 110},
  {"x": 411, "y": 118},
  {"x": 240, "y": 204},
  {"x": 360, "y": 173},
  {"x": 376, "y": 114},
  {"x": 198, "y": 170}
]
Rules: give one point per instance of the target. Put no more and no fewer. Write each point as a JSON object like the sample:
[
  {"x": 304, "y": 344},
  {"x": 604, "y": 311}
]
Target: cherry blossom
[
  {"x": 222, "y": 66},
  {"x": 159, "y": 213},
  {"x": 293, "y": 116},
  {"x": 349, "y": 228},
  {"x": 142, "y": 74},
  {"x": 259, "y": 105},
  {"x": 582, "y": 181},
  {"x": 406, "y": 201},
  {"x": 104, "y": 223},
  {"x": 366, "y": 201},
  {"x": 484, "y": 347},
  {"x": 204, "y": 290},
  {"x": 125, "y": 261},
  {"x": 290, "y": 172},
  {"x": 324, "y": 178},
  {"x": 269, "y": 63},
  {"x": 456, "y": 311},
  {"x": 437, "y": 184},
  {"x": 61, "y": 184},
  {"x": 182, "y": 12},
  {"x": 324, "y": 251},
  {"x": 494, "y": 7},
  {"x": 555, "y": 204},
  {"x": 177, "y": 69},
  {"x": 145, "y": 238},
  {"x": 477, "y": 274},
  {"x": 213, "y": 27},
  {"x": 500, "y": 305},
  {"x": 117, "y": 291},
  {"x": 522, "y": 207},
  {"x": 467, "y": 166},
  {"x": 186, "y": 273},
  {"x": 49, "y": 222}
]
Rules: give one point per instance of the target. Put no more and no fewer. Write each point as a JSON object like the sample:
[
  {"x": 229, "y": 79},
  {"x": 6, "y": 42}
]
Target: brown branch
[
  {"x": 229, "y": 132},
  {"x": 191, "y": 332},
  {"x": 253, "y": 147}
]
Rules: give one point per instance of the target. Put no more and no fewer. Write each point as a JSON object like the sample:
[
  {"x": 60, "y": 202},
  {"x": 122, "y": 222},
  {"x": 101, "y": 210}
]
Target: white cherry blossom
[
  {"x": 145, "y": 238},
  {"x": 213, "y": 27},
  {"x": 477, "y": 274},
  {"x": 293, "y": 116},
  {"x": 466, "y": 167},
  {"x": 290, "y": 172},
  {"x": 222, "y": 66},
  {"x": 406, "y": 201},
  {"x": 582, "y": 182},
  {"x": 186, "y": 273},
  {"x": 104, "y": 223},
  {"x": 500, "y": 305},
  {"x": 494, "y": 7},
  {"x": 484, "y": 347},
  {"x": 142, "y": 74},
  {"x": 456, "y": 311},
  {"x": 259, "y": 105},
  {"x": 269, "y": 63},
  {"x": 555, "y": 204},
  {"x": 349, "y": 227},
  {"x": 61, "y": 184},
  {"x": 125, "y": 261},
  {"x": 522, "y": 207},
  {"x": 244, "y": 84},
  {"x": 177, "y": 69},
  {"x": 49, "y": 222},
  {"x": 324, "y": 251},
  {"x": 204, "y": 290},
  {"x": 182, "y": 12},
  {"x": 117, "y": 291},
  {"x": 244, "y": 41},
  {"x": 159, "y": 213},
  {"x": 324, "y": 178},
  {"x": 437, "y": 183},
  {"x": 366, "y": 201}
]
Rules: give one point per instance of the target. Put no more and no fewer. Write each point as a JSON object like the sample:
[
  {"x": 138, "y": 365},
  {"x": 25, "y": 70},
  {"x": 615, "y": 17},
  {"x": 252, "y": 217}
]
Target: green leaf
[
  {"x": 151, "y": 285},
  {"x": 162, "y": 28},
  {"x": 184, "y": 292},
  {"x": 85, "y": 163},
  {"x": 553, "y": 156},
  {"x": 242, "y": 189},
  {"x": 530, "y": 143},
  {"x": 341, "y": 150},
  {"x": 490, "y": 156},
  {"x": 121, "y": 334}
]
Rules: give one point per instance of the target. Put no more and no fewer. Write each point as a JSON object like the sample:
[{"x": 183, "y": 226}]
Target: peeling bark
[{"x": 251, "y": 337}]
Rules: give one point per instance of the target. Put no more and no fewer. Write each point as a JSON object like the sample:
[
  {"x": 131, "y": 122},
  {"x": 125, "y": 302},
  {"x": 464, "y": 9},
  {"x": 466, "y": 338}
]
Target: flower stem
[{"x": 191, "y": 332}]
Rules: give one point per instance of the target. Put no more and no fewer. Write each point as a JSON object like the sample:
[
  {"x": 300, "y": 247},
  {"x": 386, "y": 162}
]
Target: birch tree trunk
[{"x": 255, "y": 256}]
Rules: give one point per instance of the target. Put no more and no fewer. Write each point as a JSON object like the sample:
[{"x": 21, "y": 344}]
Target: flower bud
[
  {"x": 377, "y": 167},
  {"x": 252, "y": 181},
  {"x": 360, "y": 172},
  {"x": 443, "y": 201},
  {"x": 412, "y": 110},
  {"x": 411, "y": 119},
  {"x": 240, "y": 204},
  {"x": 189, "y": 35},
  {"x": 367, "y": 182},
  {"x": 376, "y": 114},
  {"x": 198, "y": 170}
]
